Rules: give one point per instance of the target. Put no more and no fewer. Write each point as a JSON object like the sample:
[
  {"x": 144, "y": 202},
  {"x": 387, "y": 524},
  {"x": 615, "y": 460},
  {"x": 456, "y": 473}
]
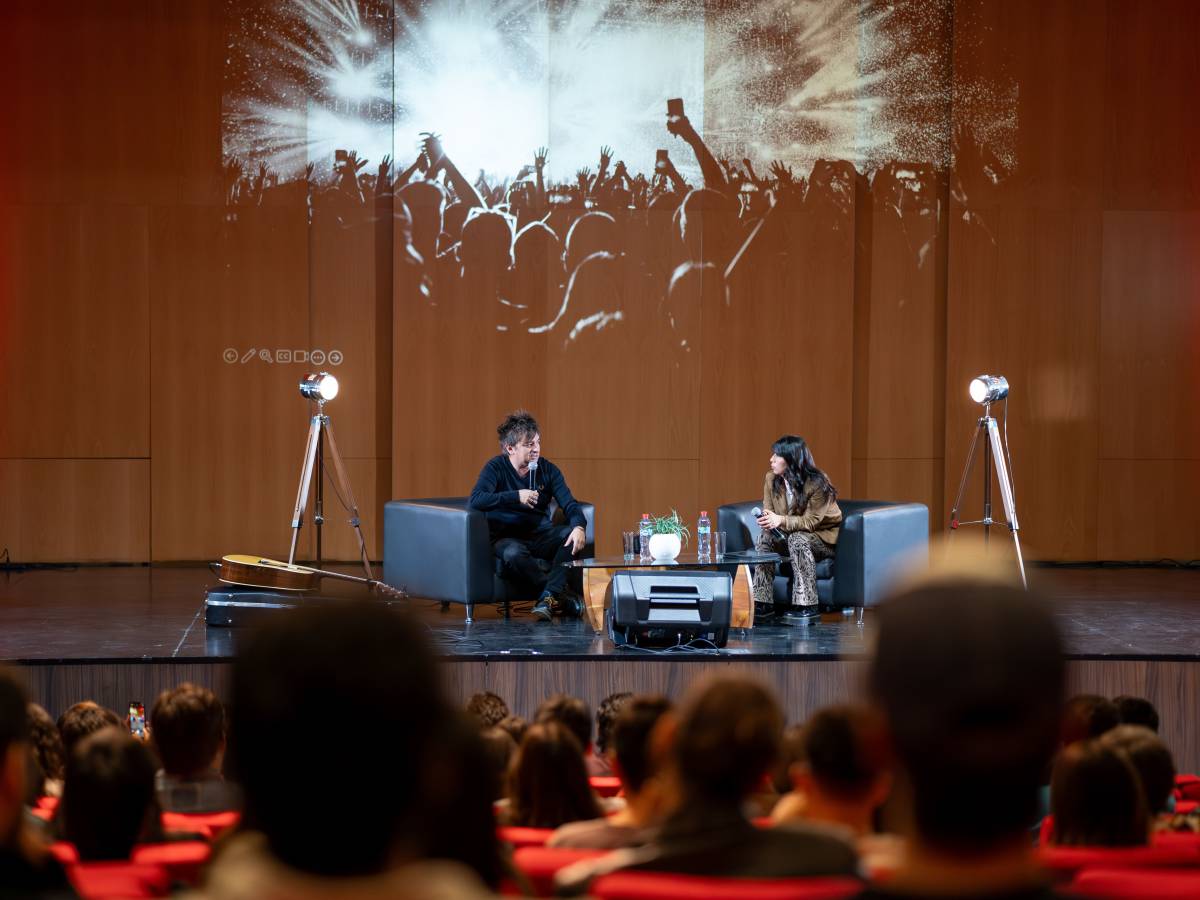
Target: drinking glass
[
  {"x": 629, "y": 541},
  {"x": 719, "y": 544}
]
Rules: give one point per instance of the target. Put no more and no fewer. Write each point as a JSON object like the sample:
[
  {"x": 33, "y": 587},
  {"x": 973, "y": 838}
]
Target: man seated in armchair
[{"x": 514, "y": 491}]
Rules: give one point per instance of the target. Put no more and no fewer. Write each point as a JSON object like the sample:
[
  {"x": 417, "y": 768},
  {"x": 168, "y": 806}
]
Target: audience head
[
  {"x": 726, "y": 739},
  {"x": 187, "y": 728},
  {"x": 606, "y": 716},
  {"x": 426, "y": 202},
  {"x": 1096, "y": 799},
  {"x": 325, "y": 688},
  {"x": 486, "y": 246},
  {"x": 14, "y": 756},
  {"x": 968, "y": 674},
  {"x": 454, "y": 218},
  {"x": 490, "y": 709},
  {"x": 1088, "y": 716},
  {"x": 47, "y": 747},
  {"x": 83, "y": 719},
  {"x": 842, "y": 758},
  {"x": 1151, "y": 760},
  {"x": 548, "y": 783},
  {"x": 1136, "y": 711},
  {"x": 595, "y": 294},
  {"x": 515, "y": 726},
  {"x": 499, "y": 748},
  {"x": 108, "y": 802},
  {"x": 572, "y": 713},
  {"x": 708, "y": 225},
  {"x": 633, "y": 757},
  {"x": 690, "y": 284},
  {"x": 593, "y": 232},
  {"x": 537, "y": 249}
]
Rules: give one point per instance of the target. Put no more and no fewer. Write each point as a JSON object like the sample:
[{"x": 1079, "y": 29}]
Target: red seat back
[
  {"x": 606, "y": 785},
  {"x": 110, "y": 880},
  {"x": 183, "y": 860},
  {"x": 523, "y": 837},
  {"x": 64, "y": 852},
  {"x": 1138, "y": 884},
  {"x": 540, "y": 864},
  {"x": 1187, "y": 787},
  {"x": 667, "y": 886},
  {"x": 207, "y": 825},
  {"x": 1064, "y": 862}
]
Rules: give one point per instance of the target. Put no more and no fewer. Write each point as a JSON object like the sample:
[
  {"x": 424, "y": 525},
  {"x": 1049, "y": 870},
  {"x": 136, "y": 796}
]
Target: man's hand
[
  {"x": 528, "y": 498},
  {"x": 539, "y": 158},
  {"x": 575, "y": 540},
  {"x": 769, "y": 520}
]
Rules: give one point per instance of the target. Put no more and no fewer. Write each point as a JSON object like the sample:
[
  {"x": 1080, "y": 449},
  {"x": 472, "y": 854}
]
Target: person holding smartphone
[{"x": 800, "y": 517}]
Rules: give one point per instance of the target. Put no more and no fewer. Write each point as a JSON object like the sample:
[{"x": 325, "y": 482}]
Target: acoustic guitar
[{"x": 257, "y": 571}]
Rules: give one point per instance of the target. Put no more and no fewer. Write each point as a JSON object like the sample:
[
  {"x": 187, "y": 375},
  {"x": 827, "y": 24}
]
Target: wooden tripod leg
[
  {"x": 306, "y": 473},
  {"x": 346, "y": 493}
]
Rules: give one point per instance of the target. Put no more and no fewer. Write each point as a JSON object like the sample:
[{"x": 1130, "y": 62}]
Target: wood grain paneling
[
  {"x": 1023, "y": 288},
  {"x": 89, "y": 510},
  {"x": 1169, "y": 489},
  {"x": 1152, "y": 156},
  {"x": 904, "y": 480},
  {"x": 1150, "y": 336},
  {"x": 74, "y": 349},
  {"x": 228, "y": 437}
]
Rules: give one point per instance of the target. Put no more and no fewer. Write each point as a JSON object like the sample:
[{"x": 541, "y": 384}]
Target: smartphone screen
[{"x": 137, "y": 719}]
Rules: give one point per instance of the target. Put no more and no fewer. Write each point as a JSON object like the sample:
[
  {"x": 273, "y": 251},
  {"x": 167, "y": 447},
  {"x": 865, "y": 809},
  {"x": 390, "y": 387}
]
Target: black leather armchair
[
  {"x": 439, "y": 549},
  {"x": 876, "y": 536}
]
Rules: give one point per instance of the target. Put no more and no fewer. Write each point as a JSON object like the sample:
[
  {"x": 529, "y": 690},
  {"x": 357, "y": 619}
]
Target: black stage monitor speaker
[{"x": 649, "y": 608}]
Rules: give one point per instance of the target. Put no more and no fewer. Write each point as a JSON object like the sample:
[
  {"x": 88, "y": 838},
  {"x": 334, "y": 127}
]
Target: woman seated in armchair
[{"x": 800, "y": 517}]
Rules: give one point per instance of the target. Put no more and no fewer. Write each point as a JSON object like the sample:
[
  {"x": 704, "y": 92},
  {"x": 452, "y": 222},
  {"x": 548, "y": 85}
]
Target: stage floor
[{"x": 156, "y": 614}]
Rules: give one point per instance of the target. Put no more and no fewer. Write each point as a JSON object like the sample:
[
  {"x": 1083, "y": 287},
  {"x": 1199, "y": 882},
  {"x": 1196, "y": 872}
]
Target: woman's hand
[{"x": 769, "y": 520}]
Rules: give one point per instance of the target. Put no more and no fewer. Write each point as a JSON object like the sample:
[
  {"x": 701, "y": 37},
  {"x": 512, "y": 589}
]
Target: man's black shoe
[
  {"x": 572, "y": 607},
  {"x": 547, "y": 607}
]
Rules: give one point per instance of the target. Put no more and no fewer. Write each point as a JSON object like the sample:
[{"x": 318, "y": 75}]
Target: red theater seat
[
  {"x": 665, "y": 886},
  {"x": 606, "y": 785},
  {"x": 540, "y": 864},
  {"x": 183, "y": 860},
  {"x": 65, "y": 853},
  {"x": 524, "y": 837},
  {"x": 1137, "y": 884},
  {"x": 1182, "y": 807},
  {"x": 1064, "y": 862},
  {"x": 109, "y": 880},
  {"x": 1187, "y": 787},
  {"x": 207, "y": 825}
]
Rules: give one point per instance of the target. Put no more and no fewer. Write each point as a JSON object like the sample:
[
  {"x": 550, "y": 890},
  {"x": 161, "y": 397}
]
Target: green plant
[{"x": 671, "y": 524}]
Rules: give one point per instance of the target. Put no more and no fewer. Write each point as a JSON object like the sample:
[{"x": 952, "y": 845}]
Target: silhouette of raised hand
[
  {"x": 432, "y": 145},
  {"x": 539, "y": 158},
  {"x": 385, "y": 169},
  {"x": 605, "y": 157},
  {"x": 783, "y": 174}
]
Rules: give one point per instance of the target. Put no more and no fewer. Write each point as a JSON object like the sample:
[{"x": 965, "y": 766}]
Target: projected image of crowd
[{"x": 528, "y": 254}]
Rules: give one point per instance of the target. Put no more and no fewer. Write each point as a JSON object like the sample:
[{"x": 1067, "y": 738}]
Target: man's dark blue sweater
[{"x": 497, "y": 494}]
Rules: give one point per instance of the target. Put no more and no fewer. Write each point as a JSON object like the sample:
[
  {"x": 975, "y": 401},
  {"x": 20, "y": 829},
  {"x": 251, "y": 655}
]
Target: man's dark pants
[{"x": 521, "y": 554}]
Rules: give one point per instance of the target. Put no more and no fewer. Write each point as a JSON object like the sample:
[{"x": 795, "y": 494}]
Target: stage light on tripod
[
  {"x": 988, "y": 388},
  {"x": 320, "y": 387}
]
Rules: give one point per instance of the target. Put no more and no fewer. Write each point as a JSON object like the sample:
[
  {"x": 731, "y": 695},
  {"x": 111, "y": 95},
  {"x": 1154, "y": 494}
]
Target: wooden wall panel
[
  {"x": 1151, "y": 124},
  {"x": 1167, "y": 493},
  {"x": 1023, "y": 284},
  {"x": 1150, "y": 336},
  {"x": 903, "y": 480},
  {"x": 87, "y": 510},
  {"x": 75, "y": 347},
  {"x": 228, "y": 437}
]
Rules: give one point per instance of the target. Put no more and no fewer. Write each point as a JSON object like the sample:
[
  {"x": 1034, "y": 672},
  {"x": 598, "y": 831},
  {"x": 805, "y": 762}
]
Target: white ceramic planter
[{"x": 664, "y": 546}]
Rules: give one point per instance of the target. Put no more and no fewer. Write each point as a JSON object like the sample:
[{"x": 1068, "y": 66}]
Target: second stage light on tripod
[
  {"x": 321, "y": 387},
  {"x": 988, "y": 388}
]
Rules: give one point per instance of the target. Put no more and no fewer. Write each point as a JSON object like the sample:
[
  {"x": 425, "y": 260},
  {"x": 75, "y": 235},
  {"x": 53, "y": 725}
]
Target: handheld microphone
[
  {"x": 533, "y": 474},
  {"x": 774, "y": 532}
]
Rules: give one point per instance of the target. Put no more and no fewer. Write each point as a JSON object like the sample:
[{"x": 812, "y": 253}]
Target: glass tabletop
[{"x": 689, "y": 560}]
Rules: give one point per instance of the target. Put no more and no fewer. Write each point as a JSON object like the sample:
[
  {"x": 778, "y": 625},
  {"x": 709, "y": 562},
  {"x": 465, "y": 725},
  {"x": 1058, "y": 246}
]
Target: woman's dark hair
[
  {"x": 47, "y": 744},
  {"x": 1096, "y": 798},
  {"x": 1150, "y": 759},
  {"x": 108, "y": 801},
  {"x": 801, "y": 469},
  {"x": 843, "y": 750},
  {"x": 548, "y": 783},
  {"x": 606, "y": 716},
  {"x": 487, "y": 707}
]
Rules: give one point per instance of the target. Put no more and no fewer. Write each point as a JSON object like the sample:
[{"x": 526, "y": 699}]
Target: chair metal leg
[
  {"x": 860, "y": 611},
  {"x": 507, "y": 609},
  {"x": 470, "y": 613}
]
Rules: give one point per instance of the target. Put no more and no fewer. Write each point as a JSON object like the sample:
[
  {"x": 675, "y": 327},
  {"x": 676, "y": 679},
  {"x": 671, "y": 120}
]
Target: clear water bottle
[
  {"x": 704, "y": 536},
  {"x": 644, "y": 532}
]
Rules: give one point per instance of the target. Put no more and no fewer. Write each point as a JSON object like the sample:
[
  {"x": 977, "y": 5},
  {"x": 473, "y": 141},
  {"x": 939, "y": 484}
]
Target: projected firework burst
[{"x": 792, "y": 80}]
